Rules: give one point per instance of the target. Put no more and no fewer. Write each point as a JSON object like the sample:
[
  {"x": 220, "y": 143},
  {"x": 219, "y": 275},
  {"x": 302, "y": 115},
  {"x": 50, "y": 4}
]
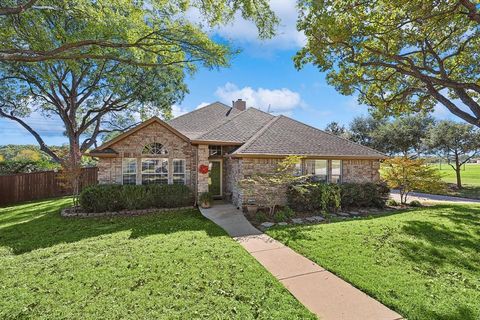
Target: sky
[{"x": 263, "y": 74}]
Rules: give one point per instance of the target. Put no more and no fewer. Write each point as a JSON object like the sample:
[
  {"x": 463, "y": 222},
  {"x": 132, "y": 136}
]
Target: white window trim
[
  {"x": 184, "y": 170},
  {"x": 150, "y": 173},
  {"x": 123, "y": 169}
]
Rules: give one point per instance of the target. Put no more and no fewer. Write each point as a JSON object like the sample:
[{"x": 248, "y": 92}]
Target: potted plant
[
  {"x": 252, "y": 207},
  {"x": 205, "y": 199}
]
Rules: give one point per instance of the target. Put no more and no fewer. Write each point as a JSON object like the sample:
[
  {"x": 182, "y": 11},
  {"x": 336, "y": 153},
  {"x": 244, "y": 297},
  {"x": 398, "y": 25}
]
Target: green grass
[
  {"x": 423, "y": 263},
  {"x": 175, "y": 265},
  {"x": 470, "y": 174}
]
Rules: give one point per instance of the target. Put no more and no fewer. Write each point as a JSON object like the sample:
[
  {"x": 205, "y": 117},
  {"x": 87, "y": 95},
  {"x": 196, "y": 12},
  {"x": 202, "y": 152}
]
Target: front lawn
[
  {"x": 470, "y": 180},
  {"x": 424, "y": 263},
  {"x": 175, "y": 265}
]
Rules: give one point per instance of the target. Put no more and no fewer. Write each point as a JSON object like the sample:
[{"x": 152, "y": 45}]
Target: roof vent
[{"x": 240, "y": 104}]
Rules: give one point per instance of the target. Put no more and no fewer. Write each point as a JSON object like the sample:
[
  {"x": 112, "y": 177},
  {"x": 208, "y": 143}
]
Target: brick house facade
[{"x": 233, "y": 143}]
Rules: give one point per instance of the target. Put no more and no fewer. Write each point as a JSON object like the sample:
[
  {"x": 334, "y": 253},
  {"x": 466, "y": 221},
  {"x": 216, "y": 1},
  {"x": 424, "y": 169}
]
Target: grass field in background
[{"x": 470, "y": 173}]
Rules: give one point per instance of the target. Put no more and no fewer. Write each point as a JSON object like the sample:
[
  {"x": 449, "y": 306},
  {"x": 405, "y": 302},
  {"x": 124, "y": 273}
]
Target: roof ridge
[
  {"x": 257, "y": 135},
  {"x": 334, "y": 135},
  {"x": 195, "y": 110}
]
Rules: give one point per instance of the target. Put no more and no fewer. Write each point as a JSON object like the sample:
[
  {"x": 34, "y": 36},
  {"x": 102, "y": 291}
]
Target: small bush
[
  {"x": 317, "y": 196},
  {"x": 283, "y": 215},
  {"x": 415, "y": 203},
  {"x": 101, "y": 198},
  {"x": 261, "y": 216},
  {"x": 205, "y": 197},
  {"x": 392, "y": 203}
]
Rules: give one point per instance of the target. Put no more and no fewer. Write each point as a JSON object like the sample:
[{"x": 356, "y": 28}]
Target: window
[
  {"x": 336, "y": 171},
  {"x": 154, "y": 171},
  {"x": 215, "y": 150},
  {"x": 179, "y": 171},
  {"x": 318, "y": 169},
  {"x": 129, "y": 171},
  {"x": 154, "y": 148},
  {"x": 297, "y": 169}
]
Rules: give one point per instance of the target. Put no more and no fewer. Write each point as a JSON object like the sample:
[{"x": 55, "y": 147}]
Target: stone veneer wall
[
  {"x": 353, "y": 171},
  {"x": 110, "y": 169}
]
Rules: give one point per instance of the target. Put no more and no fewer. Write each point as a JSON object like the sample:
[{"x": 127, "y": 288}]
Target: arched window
[{"x": 154, "y": 148}]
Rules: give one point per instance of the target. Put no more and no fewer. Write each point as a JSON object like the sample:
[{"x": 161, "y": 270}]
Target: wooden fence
[{"x": 39, "y": 185}]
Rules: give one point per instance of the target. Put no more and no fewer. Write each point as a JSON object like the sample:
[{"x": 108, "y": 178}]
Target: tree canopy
[{"x": 398, "y": 56}]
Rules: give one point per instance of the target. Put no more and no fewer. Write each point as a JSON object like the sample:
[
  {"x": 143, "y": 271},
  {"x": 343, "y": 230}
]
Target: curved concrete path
[
  {"x": 426, "y": 197},
  {"x": 322, "y": 292}
]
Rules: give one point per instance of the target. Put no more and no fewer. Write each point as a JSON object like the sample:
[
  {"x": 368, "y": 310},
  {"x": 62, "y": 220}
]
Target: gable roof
[
  {"x": 239, "y": 128},
  {"x": 200, "y": 121},
  {"x": 284, "y": 136},
  {"x": 104, "y": 148}
]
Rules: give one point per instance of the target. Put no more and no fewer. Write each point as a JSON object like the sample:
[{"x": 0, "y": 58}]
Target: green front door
[{"x": 215, "y": 178}]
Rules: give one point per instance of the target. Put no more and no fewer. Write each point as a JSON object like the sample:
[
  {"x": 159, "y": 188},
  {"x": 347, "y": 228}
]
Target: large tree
[
  {"x": 398, "y": 56},
  {"x": 361, "y": 130},
  {"x": 94, "y": 88},
  {"x": 337, "y": 129},
  {"x": 457, "y": 142},
  {"x": 122, "y": 30}
]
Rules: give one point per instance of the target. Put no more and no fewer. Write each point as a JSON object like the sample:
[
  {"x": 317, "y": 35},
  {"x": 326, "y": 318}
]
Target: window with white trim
[
  {"x": 336, "y": 176},
  {"x": 317, "y": 168},
  {"x": 129, "y": 171},
  {"x": 215, "y": 150},
  {"x": 179, "y": 171},
  {"x": 154, "y": 170}
]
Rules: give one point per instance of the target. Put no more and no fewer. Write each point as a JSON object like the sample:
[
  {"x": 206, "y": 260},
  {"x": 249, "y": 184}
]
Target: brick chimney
[{"x": 240, "y": 104}]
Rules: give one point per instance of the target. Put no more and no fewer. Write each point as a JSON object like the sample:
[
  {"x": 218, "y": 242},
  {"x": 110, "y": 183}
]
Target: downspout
[{"x": 196, "y": 176}]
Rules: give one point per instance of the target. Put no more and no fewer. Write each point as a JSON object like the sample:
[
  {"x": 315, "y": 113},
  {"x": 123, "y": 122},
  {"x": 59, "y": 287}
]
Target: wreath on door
[{"x": 203, "y": 169}]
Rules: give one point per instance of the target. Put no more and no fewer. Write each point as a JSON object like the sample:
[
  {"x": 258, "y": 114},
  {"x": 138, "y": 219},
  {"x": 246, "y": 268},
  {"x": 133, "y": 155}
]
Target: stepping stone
[
  {"x": 297, "y": 220},
  {"x": 343, "y": 214},
  {"x": 315, "y": 219},
  {"x": 355, "y": 213},
  {"x": 267, "y": 225},
  {"x": 283, "y": 224}
]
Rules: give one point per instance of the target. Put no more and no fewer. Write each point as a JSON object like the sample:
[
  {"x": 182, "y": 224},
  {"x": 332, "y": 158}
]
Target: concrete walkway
[
  {"x": 323, "y": 293},
  {"x": 425, "y": 197}
]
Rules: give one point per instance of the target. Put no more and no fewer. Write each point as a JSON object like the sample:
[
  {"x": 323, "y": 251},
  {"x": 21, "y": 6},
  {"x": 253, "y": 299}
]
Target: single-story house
[{"x": 214, "y": 147}]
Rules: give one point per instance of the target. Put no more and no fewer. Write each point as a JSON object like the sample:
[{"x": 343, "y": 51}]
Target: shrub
[
  {"x": 364, "y": 194},
  {"x": 415, "y": 203},
  {"x": 315, "y": 196},
  {"x": 261, "y": 216},
  {"x": 392, "y": 203},
  {"x": 205, "y": 197},
  {"x": 283, "y": 215},
  {"x": 101, "y": 198}
]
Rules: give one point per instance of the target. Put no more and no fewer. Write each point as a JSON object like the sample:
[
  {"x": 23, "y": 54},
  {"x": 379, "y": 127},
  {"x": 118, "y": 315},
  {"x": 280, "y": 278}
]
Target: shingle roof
[
  {"x": 200, "y": 121},
  {"x": 239, "y": 128},
  {"x": 285, "y": 136}
]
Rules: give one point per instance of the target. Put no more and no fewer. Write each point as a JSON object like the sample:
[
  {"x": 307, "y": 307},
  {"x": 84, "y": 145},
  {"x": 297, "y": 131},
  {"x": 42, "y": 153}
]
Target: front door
[{"x": 215, "y": 178}]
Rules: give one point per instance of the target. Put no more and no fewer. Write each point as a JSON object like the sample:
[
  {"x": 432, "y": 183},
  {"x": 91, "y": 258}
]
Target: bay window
[
  {"x": 129, "y": 171},
  {"x": 154, "y": 170},
  {"x": 179, "y": 171}
]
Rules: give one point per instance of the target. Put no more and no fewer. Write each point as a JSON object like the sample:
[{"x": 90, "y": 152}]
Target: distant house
[{"x": 214, "y": 147}]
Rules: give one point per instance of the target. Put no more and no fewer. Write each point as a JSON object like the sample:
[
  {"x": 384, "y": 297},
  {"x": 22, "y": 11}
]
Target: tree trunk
[
  {"x": 458, "y": 168},
  {"x": 73, "y": 168}
]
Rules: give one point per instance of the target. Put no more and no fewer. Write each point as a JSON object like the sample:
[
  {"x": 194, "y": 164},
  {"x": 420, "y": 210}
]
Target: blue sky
[{"x": 263, "y": 74}]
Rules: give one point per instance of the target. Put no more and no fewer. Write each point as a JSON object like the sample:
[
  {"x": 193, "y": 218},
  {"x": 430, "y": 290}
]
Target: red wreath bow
[{"x": 203, "y": 169}]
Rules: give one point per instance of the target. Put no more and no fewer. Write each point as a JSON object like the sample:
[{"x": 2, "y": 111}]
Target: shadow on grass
[
  {"x": 450, "y": 236},
  {"x": 34, "y": 226}
]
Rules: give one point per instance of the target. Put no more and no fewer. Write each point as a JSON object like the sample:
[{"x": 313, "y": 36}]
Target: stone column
[{"x": 202, "y": 179}]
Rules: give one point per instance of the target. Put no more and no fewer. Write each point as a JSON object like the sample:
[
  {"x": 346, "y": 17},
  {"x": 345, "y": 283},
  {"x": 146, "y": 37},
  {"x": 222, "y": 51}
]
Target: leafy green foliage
[
  {"x": 175, "y": 265},
  {"x": 392, "y": 203},
  {"x": 283, "y": 214},
  {"x": 205, "y": 197},
  {"x": 330, "y": 197},
  {"x": 408, "y": 175},
  {"x": 101, "y": 198},
  {"x": 415, "y": 203},
  {"x": 423, "y": 263},
  {"x": 457, "y": 142},
  {"x": 398, "y": 56},
  {"x": 364, "y": 194}
]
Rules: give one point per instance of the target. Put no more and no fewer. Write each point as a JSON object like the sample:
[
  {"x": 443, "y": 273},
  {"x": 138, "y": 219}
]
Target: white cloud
[
  {"x": 280, "y": 100},
  {"x": 178, "y": 110},
  {"x": 243, "y": 31},
  {"x": 202, "y": 104}
]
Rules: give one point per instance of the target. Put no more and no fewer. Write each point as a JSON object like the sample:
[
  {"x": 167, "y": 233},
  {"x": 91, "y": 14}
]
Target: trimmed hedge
[
  {"x": 102, "y": 198},
  {"x": 313, "y": 196}
]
